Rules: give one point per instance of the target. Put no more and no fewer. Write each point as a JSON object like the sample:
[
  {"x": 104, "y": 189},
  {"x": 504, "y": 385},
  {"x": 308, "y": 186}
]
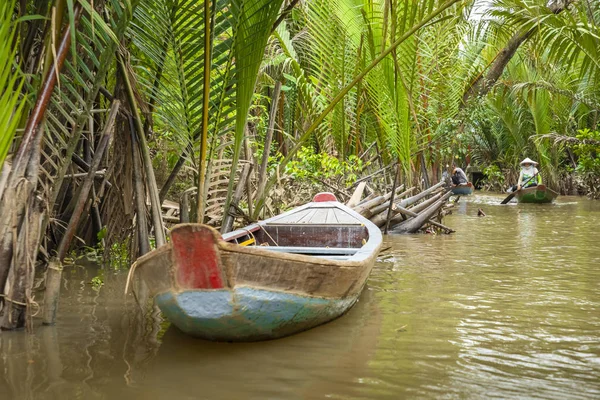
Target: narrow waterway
[{"x": 508, "y": 307}]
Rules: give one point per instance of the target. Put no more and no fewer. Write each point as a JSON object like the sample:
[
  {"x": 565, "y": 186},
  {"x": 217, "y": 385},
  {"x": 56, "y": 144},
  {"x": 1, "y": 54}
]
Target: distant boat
[
  {"x": 463, "y": 189},
  {"x": 536, "y": 194},
  {"x": 271, "y": 279}
]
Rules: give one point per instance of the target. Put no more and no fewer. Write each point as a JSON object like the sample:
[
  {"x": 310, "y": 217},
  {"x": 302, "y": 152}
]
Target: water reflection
[{"x": 506, "y": 307}]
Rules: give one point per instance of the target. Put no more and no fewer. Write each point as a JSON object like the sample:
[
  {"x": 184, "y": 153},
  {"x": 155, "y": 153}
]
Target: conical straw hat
[{"x": 528, "y": 161}]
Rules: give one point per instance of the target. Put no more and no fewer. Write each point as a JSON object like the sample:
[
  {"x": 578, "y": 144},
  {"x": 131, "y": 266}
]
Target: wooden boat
[
  {"x": 271, "y": 279},
  {"x": 463, "y": 189},
  {"x": 536, "y": 194}
]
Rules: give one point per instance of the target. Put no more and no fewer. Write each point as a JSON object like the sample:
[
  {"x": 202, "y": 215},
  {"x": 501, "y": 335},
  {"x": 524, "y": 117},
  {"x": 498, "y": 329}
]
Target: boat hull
[
  {"x": 537, "y": 194},
  {"x": 463, "y": 190},
  {"x": 248, "y": 314}
]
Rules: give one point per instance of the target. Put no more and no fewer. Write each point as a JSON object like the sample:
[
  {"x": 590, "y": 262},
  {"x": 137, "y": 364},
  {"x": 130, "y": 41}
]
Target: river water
[{"x": 507, "y": 307}]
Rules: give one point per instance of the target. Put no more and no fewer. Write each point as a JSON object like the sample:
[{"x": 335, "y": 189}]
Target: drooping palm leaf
[{"x": 10, "y": 81}]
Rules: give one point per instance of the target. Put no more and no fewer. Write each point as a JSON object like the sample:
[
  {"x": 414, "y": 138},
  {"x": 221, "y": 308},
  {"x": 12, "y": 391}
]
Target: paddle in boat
[
  {"x": 271, "y": 279},
  {"x": 465, "y": 189},
  {"x": 536, "y": 194}
]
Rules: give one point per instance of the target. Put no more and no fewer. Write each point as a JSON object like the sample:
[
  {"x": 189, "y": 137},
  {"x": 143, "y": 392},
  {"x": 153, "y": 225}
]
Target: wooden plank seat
[{"x": 313, "y": 250}]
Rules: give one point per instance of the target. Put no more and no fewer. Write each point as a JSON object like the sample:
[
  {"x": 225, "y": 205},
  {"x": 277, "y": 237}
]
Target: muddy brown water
[{"x": 508, "y": 307}]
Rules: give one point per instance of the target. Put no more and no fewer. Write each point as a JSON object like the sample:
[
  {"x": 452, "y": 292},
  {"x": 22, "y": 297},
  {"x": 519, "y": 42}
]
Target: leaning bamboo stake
[
  {"x": 412, "y": 225},
  {"x": 159, "y": 230},
  {"x": 389, "y": 214},
  {"x": 382, "y": 207},
  {"x": 54, "y": 274},
  {"x": 396, "y": 192},
  {"x": 365, "y": 209},
  {"x": 262, "y": 174},
  {"x": 239, "y": 191},
  {"x": 421, "y": 206},
  {"x": 203, "y": 162},
  {"x": 430, "y": 221},
  {"x": 381, "y": 218},
  {"x": 358, "y": 192},
  {"x": 363, "y": 201},
  {"x": 422, "y": 195},
  {"x": 140, "y": 194},
  {"x": 405, "y": 193}
]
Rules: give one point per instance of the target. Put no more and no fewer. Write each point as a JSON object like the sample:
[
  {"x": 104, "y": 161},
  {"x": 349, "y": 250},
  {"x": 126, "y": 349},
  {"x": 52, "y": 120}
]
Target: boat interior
[{"x": 330, "y": 241}]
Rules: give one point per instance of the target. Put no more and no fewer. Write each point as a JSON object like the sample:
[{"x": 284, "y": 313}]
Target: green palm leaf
[{"x": 10, "y": 81}]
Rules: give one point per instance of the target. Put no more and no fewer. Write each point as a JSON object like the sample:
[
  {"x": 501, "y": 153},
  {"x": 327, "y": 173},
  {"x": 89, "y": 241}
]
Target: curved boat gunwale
[{"x": 364, "y": 253}]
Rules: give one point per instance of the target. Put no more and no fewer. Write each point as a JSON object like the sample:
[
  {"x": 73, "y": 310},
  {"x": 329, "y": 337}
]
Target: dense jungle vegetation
[{"x": 109, "y": 107}]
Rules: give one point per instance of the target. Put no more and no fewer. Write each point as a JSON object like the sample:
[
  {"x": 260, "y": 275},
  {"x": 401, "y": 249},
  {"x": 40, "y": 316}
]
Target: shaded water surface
[{"x": 508, "y": 307}]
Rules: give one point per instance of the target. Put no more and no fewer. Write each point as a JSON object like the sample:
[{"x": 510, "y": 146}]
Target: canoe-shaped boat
[
  {"x": 271, "y": 279},
  {"x": 463, "y": 189},
  {"x": 536, "y": 194}
]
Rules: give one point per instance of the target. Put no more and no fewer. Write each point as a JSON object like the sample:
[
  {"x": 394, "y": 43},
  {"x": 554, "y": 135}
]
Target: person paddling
[
  {"x": 528, "y": 170},
  {"x": 458, "y": 176}
]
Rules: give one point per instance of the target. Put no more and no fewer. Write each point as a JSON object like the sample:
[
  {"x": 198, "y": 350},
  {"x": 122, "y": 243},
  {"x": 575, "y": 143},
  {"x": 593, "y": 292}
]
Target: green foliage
[
  {"x": 10, "y": 81},
  {"x": 494, "y": 178},
  {"x": 311, "y": 166},
  {"x": 588, "y": 154},
  {"x": 588, "y": 163}
]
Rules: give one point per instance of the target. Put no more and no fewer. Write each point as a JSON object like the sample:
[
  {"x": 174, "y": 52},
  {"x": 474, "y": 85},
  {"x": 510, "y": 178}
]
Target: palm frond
[{"x": 10, "y": 81}]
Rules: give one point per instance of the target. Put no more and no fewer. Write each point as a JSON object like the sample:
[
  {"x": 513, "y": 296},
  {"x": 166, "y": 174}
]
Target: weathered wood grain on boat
[{"x": 270, "y": 279}]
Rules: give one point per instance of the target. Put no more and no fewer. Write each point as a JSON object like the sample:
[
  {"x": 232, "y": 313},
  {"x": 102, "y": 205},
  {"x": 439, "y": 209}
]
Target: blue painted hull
[{"x": 247, "y": 314}]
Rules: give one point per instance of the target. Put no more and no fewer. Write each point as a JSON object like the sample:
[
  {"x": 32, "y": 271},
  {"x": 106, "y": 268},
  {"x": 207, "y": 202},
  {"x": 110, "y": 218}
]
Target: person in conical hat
[{"x": 528, "y": 170}]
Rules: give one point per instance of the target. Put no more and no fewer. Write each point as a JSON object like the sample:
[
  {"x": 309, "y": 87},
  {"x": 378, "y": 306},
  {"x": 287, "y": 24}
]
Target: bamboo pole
[
  {"x": 368, "y": 198},
  {"x": 381, "y": 218},
  {"x": 365, "y": 209},
  {"x": 239, "y": 191},
  {"x": 397, "y": 192},
  {"x": 412, "y": 225},
  {"x": 355, "y": 198},
  {"x": 140, "y": 193},
  {"x": 262, "y": 173},
  {"x": 205, "y": 107},
  {"x": 389, "y": 214},
  {"x": 421, "y": 206},
  {"x": 422, "y": 195}
]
